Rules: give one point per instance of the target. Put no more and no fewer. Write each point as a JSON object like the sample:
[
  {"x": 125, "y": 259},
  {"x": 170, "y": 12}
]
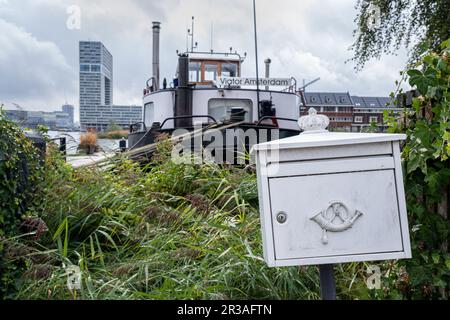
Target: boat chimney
[
  {"x": 156, "y": 35},
  {"x": 267, "y": 62},
  {"x": 183, "y": 100}
]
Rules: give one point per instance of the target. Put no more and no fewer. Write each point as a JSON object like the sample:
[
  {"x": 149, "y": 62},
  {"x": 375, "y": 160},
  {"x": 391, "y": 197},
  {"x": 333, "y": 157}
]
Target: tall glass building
[
  {"x": 96, "y": 90},
  {"x": 96, "y": 74}
]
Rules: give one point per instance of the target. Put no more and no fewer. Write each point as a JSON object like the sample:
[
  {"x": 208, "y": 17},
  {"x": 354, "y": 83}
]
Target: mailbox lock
[{"x": 282, "y": 217}]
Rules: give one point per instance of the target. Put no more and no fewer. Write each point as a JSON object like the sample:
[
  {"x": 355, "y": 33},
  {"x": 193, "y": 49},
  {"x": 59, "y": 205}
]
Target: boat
[{"x": 208, "y": 94}]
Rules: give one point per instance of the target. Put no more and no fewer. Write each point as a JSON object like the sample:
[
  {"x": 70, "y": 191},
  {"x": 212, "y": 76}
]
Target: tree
[{"x": 385, "y": 26}]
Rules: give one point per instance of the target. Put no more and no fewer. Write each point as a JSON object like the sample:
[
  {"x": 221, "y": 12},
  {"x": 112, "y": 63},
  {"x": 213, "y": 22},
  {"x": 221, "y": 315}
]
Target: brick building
[
  {"x": 337, "y": 106},
  {"x": 349, "y": 113},
  {"x": 370, "y": 110}
]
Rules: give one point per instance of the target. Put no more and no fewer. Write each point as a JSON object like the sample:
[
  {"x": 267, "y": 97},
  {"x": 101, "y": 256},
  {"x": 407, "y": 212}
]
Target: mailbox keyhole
[{"x": 282, "y": 218}]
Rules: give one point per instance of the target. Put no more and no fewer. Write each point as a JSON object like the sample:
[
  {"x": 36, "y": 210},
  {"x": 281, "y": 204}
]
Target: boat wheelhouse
[{"x": 200, "y": 96}]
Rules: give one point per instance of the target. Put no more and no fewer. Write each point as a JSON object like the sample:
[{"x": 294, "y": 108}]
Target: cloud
[
  {"x": 305, "y": 39},
  {"x": 30, "y": 69}
]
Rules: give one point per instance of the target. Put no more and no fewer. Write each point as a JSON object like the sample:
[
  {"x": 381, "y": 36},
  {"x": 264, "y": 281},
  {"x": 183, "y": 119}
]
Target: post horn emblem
[{"x": 337, "y": 218}]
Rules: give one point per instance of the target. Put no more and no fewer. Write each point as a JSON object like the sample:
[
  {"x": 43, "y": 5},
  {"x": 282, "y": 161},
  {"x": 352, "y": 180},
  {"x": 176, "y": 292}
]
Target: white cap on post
[{"x": 314, "y": 123}]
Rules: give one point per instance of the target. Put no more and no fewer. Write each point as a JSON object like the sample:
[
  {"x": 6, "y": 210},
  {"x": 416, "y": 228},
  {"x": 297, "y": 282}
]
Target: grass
[
  {"x": 114, "y": 135},
  {"x": 164, "y": 231}
]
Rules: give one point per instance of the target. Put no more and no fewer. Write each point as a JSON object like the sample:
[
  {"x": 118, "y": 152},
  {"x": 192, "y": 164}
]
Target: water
[{"x": 73, "y": 140}]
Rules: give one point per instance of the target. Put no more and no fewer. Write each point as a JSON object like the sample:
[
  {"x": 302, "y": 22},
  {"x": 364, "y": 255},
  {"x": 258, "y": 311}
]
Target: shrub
[
  {"x": 426, "y": 154},
  {"x": 20, "y": 174},
  {"x": 88, "y": 142}
]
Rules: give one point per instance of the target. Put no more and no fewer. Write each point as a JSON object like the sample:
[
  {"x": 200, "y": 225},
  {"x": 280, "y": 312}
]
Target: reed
[{"x": 165, "y": 231}]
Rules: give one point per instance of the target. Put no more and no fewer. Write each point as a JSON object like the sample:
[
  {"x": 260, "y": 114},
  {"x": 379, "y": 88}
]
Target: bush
[
  {"x": 20, "y": 174},
  {"x": 88, "y": 142},
  {"x": 426, "y": 154}
]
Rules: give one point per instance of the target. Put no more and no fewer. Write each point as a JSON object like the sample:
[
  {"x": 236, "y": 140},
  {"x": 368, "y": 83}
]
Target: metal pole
[
  {"x": 267, "y": 62},
  {"x": 63, "y": 147},
  {"x": 192, "y": 39},
  {"x": 327, "y": 282},
  {"x": 257, "y": 61},
  {"x": 156, "y": 54}
]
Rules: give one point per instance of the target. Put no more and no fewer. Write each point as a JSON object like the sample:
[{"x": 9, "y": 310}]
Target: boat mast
[{"x": 256, "y": 56}]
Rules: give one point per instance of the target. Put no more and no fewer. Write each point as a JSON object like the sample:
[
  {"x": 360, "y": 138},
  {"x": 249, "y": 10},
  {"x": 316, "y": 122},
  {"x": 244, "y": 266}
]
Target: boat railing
[
  {"x": 140, "y": 125},
  {"x": 188, "y": 117},
  {"x": 274, "y": 118},
  {"x": 150, "y": 88},
  {"x": 292, "y": 88}
]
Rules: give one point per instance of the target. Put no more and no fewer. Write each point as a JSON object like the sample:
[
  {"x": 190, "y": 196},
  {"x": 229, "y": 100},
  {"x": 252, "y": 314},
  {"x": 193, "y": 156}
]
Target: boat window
[
  {"x": 210, "y": 72},
  {"x": 149, "y": 114},
  {"x": 220, "y": 109},
  {"x": 195, "y": 70},
  {"x": 229, "y": 70}
]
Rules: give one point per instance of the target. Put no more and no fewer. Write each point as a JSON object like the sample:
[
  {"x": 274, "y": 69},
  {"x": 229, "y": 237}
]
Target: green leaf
[
  {"x": 436, "y": 258},
  {"x": 431, "y": 93}
]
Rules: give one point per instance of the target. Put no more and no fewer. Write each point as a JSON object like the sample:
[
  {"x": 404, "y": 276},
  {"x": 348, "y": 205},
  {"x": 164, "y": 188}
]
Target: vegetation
[
  {"x": 173, "y": 231},
  {"x": 385, "y": 26},
  {"x": 88, "y": 142},
  {"x": 114, "y": 132},
  {"x": 427, "y": 162},
  {"x": 20, "y": 172},
  {"x": 114, "y": 135},
  {"x": 165, "y": 231}
]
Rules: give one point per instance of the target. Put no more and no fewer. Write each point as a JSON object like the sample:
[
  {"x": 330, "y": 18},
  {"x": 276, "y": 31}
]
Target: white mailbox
[{"x": 330, "y": 198}]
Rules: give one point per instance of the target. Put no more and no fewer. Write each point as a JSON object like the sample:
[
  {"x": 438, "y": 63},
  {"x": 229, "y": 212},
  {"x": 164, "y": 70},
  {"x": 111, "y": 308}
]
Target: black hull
[{"x": 259, "y": 134}]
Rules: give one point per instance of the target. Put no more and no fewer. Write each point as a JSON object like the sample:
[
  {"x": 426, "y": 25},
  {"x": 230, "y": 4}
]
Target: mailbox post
[{"x": 328, "y": 198}]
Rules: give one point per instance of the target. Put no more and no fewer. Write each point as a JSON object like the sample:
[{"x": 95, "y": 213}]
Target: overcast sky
[{"x": 305, "y": 39}]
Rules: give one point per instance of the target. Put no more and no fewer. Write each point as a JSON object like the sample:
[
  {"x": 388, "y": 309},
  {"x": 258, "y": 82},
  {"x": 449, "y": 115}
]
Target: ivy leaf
[
  {"x": 438, "y": 282},
  {"x": 447, "y": 261},
  {"x": 431, "y": 93},
  {"x": 436, "y": 258}
]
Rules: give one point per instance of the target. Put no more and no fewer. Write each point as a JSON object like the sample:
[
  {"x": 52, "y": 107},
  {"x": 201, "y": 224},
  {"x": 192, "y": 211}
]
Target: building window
[
  {"x": 329, "y": 109},
  {"x": 108, "y": 92},
  {"x": 359, "y": 119},
  {"x": 210, "y": 72},
  {"x": 229, "y": 70},
  {"x": 220, "y": 109},
  {"x": 373, "y": 119},
  {"x": 149, "y": 114},
  {"x": 195, "y": 69},
  {"x": 84, "y": 68},
  {"x": 95, "y": 68}
]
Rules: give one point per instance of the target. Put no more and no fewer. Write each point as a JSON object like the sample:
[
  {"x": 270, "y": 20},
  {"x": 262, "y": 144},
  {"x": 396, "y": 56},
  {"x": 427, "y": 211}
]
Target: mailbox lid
[
  {"x": 326, "y": 139},
  {"x": 372, "y": 193}
]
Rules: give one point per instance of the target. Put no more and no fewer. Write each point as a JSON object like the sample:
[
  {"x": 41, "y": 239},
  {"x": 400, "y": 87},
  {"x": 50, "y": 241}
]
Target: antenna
[
  {"x": 306, "y": 85},
  {"x": 194, "y": 45},
  {"x": 192, "y": 40},
  {"x": 256, "y": 56},
  {"x": 187, "y": 39},
  {"x": 212, "y": 35}
]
